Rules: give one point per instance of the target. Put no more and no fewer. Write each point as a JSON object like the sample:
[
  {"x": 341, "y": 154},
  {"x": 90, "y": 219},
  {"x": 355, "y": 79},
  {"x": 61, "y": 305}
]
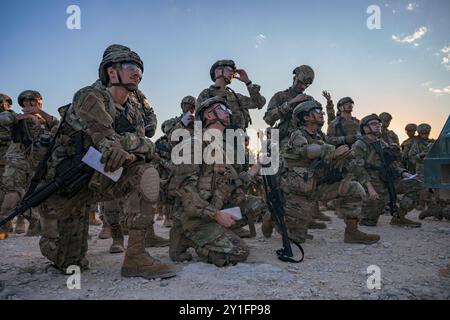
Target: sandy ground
[{"x": 411, "y": 262}]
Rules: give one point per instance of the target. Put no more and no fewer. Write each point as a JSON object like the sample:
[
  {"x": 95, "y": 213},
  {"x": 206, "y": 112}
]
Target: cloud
[
  {"x": 446, "y": 61},
  {"x": 260, "y": 39},
  {"x": 418, "y": 34},
  {"x": 446, "y": 49},
  {"x": 426, "y": 84},
  {"x": 441, "y": 91},
  {"x": 412, "y": 6}
]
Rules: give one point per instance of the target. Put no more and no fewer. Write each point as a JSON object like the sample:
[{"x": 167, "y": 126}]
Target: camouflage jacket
[
  {"x": 238, "y": 103},
  {"x": 294, "y": 152},
  {"x": 7, "y": 120},
  {"x": 339, "y": 128},
  {"x": 105, "y": 124},
  {"x": 201, "y": 189},
  {"x": 365, "y": 160},
  {"x": 276, "y": 111},
  {"x": 420, "y": 145},
  {"x": 390, "y": 137},
  {"x": 169, "y": 126}
]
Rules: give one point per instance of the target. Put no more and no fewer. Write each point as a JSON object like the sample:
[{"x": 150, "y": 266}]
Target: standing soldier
[
  {"x": 222, "y": 73},
  {"x": 388, "y": 136},
  {"x": 283, "y": 103},
  {"x": 202, "y": 191},
  {"x": 7, "y": 118},
  {"x": 30, "y": 138},
  {"x": 280, "y": 109},
  {"x": 304, "y": 182},
  {"x": 344, "y": 129},
  {"x": 406, "y": 145},
  {"x": 376, "y": 169},
  {"x": 429, "y": 197},
  {"x": 106, "y": 118}
]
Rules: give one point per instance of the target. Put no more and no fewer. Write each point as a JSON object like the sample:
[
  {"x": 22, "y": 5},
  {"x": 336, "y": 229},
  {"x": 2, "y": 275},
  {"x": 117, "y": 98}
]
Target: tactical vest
[
  {"x": 345, "y": 127},
  {"x": 291, "y": 159},
  {"x": 240, "y": 117},
  {"x": 7, "y": 119}
]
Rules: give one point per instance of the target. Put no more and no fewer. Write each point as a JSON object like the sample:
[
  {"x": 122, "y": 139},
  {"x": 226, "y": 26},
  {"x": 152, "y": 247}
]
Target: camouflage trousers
[
  {"x": 65, "y": 220},
  {"x": 372, "y": 209},
  {"x": 224, "y": 248},
  {"x": 301, "y": 204},
  {"x": 17, "y": 174}
]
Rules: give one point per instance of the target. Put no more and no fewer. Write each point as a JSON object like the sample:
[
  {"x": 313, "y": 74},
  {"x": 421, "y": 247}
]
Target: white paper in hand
[
  {"x": 92, "y": 159},
  {"x": 186, "y": 118},
  {"x": 410, "y": 178},
  {"x": 235, "y": 212}
]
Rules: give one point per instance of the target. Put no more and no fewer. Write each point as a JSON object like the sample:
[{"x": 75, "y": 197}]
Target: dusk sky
[{"x": 402, "y": 68}]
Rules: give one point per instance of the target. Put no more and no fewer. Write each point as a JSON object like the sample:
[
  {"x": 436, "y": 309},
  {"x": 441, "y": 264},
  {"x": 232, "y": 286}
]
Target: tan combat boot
[
  {"x": 353, "y": 235},
  {"x": 34, "y": 229},
  {"x": 316, "y": 225},
  {"x": 93, "y": 221},
  {"x": 153, "y": 240},
  {"x": 267, "y": 225},
  {"x": 138, "y": 263},
  {"x": 105, "y": 233},
  {"x": 178, "y": 245},
  {"x": 319, "y": 215},
  {"x": 20, "y": 225},
  {"x": 117, "y": 237},
  {"x": 401, "y": 221}
]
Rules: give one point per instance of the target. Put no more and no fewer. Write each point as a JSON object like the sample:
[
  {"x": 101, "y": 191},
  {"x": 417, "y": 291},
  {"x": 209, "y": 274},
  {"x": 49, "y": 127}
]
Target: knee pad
[{"x": 149, "y": 184}]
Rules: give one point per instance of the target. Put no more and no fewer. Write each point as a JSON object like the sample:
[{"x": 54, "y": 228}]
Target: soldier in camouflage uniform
[
  {"x": 31, "y": 134},
  {"x": 7, "y": 117},
  {"x": 201, "y": 191},
  {"x": 406, "y": 145},
  {"x": 280, "y": 109},
  {"x": 283, "y": 103},
  {"x": 304, "y": 184},
  {"x": 344, "y": 129},
  {"x": 368, "y": 153},
  {"x": 106, "y": 118},
  {"x": 169, "y": 126},
  {"x": 222, "y": 72},
  {"x": 418, "y": 151},
  {"x": 388, "y": 136}
]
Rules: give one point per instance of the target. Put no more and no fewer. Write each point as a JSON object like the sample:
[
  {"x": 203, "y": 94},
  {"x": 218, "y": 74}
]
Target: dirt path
[{"x": 410, "y": 260}]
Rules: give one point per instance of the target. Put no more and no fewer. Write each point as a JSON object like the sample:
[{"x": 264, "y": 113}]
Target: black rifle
[
  {"x": 386, "y": 174},
  {"x": 275, "y": 202},
  {"x": 71, "y": 176}
]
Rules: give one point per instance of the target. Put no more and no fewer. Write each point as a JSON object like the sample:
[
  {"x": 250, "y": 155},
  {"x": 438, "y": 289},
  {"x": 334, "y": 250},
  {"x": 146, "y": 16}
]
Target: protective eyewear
[{"x": 131, "y": 67}]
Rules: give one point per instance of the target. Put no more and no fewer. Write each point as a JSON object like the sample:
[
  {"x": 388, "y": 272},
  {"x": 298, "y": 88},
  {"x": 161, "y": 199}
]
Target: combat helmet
[
  {"x": 304, "y": 74},
  {"x": 366, "y": 120},
  {"x": 221, "y": 63},
  {"x": 5, "y": 98},
  {"x": 344, "y": 100},
  {"x": 303, "y": 109},
  {"x": 423, "y": 128},
  {"x": 188, "y": 100},
  {"x": 206, "y": 104},
  {"x": 411, "y": 127},
  {"x": 385, "y": 116},
  {"x": 28, "y": 94},
  {"x": 116, "y": 54}
]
